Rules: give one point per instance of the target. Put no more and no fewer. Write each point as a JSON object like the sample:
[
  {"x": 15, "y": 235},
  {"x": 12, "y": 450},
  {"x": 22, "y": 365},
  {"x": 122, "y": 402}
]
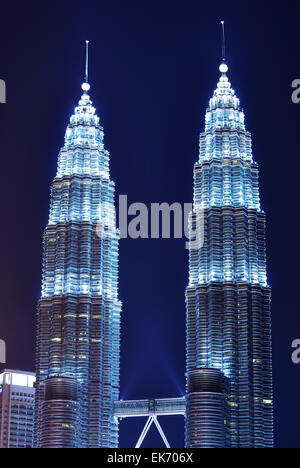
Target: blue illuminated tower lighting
[
  {"x": 78, "y": 337},
  {"x": 229, "y": 362}
]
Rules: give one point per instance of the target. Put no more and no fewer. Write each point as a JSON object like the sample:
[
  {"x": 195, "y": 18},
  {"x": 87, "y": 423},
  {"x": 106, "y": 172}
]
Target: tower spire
[
  {"x": 86, "y": 61},
  {"x": 223, "y": 42},
  {"x": 85, "y": 85},
  {"x": 223, "y": 67}
]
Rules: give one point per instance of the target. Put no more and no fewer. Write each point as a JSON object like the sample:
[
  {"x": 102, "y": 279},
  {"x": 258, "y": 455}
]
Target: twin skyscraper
[{"x": 228, "y": 400}]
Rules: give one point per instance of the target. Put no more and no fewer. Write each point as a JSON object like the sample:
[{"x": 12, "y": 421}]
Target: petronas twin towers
[
  {"x": 228, "y": 399},
  {"x": 78, "y": 342},
  {"x": 228, "y": 338}
]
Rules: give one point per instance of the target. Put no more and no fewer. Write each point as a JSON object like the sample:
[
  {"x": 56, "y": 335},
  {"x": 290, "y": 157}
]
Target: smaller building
[{"x": 17, "y": 389}]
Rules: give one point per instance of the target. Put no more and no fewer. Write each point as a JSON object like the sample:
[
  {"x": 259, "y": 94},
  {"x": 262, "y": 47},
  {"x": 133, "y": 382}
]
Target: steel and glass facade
[
  {"x": 78, "y": 334},
  {"x": 228, "y": 297}
]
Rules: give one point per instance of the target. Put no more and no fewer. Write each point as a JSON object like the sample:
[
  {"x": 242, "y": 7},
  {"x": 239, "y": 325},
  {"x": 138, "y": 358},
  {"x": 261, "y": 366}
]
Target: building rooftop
[{"x": 17, "y": 377}]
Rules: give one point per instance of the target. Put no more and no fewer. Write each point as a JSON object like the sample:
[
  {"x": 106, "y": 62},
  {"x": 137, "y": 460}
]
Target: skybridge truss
[{"x": 150, "y": 409}]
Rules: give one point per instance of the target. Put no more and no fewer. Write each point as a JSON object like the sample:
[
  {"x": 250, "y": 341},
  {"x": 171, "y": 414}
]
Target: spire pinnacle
[
  {"x": 223, "y": 67},
  {"x": 85, "y": 86},
  {"x": 86, "y": 61},
  {"x": 223, "y": 41}
]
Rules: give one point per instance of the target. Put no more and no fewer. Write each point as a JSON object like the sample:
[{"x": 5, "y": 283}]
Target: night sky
[{"x": 153, "y": 68}]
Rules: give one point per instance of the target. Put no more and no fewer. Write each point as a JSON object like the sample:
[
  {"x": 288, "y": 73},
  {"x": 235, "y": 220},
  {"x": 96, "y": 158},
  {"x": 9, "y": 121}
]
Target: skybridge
[{"x": 150, "y": 409}]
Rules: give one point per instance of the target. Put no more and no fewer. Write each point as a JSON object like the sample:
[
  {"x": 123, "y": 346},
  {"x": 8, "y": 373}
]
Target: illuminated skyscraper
[
  {"x": 78, "y": 338},
  {"x": 16, "y": 409},
  {"x": 229, "y": 363}
]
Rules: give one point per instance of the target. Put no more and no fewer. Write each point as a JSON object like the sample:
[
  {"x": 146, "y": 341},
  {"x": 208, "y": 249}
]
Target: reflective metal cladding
[
  {"x": 228, "y": 297},
  {"x": 79, "y": 311}
]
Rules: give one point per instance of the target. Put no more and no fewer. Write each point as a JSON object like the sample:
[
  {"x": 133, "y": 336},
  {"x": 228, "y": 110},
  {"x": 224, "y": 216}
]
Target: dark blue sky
[{"x": 153, "y": 67}]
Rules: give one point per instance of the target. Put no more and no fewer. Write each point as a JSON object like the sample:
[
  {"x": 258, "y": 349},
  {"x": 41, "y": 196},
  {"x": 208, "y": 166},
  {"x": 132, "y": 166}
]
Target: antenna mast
[
  {"x": 87, "y": 61},
  {"x": 223, "y": 42}
]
